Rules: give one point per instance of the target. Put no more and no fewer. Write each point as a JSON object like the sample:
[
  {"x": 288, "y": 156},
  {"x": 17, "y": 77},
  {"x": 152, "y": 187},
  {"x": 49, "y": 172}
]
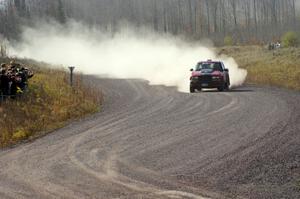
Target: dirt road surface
[{"x": 154, "y": 142}]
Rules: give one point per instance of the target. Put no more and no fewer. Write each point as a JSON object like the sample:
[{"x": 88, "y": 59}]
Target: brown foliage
[
  {"x": 274, "y": 68},
  {"x": 48, "y": 104}
]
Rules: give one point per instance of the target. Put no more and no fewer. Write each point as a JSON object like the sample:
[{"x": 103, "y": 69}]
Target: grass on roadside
[
  {"x": 275, "y": 68},
  {"x": 47, "y": 105}
]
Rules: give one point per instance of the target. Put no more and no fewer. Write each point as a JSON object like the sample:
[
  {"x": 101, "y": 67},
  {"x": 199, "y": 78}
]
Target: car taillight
[
  {"x": 196, "y": 73},
  {"x": 217, "y": 73}
]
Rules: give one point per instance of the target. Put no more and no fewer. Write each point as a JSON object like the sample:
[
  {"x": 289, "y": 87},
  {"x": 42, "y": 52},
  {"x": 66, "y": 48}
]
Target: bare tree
[{"x": 245, "y": 20}]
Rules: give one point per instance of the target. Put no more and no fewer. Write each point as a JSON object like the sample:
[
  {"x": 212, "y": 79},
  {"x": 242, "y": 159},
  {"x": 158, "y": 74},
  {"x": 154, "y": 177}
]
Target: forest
[{"x": 243, "y": 21}]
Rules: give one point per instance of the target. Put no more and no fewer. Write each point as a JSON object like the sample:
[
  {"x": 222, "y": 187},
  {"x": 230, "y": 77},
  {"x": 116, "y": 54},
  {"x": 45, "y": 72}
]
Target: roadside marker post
[{"x": 71, "y": 68}]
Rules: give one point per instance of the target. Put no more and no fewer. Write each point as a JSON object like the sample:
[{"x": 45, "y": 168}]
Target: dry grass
[
  {"x": 275, "y": 68},
  {"x": 47, "y": 105}
]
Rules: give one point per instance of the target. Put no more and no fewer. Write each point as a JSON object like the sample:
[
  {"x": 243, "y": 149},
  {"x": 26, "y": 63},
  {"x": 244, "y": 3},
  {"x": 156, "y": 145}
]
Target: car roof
[{"x": 210, "y": 61}]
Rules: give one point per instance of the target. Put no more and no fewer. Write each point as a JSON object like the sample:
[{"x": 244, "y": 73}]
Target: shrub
[
  {"x": 19, "y": 135},
  {"x": 290, "y": 39},
  {"x": 228, "y": 41}
]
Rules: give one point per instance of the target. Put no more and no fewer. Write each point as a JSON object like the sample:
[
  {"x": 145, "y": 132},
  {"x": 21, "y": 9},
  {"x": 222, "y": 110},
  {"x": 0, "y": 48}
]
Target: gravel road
[{"x": 154, "y": 142}]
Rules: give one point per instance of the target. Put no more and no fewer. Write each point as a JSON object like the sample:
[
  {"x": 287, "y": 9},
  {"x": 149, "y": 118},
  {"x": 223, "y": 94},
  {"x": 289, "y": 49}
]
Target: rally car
[{"x": 209, "y": 74}]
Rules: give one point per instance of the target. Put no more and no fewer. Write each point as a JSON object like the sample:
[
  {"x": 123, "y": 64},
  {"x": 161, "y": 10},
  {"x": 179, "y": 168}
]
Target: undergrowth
[
  {"x": 48, "y": 104},
  {"x": 279, "y": 68}
]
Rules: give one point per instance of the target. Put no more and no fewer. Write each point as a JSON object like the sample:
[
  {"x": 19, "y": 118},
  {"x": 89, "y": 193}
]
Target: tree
[
  {"x": 61, "y": 17},
  {"x": 228, "y": 41},
  {"x": 290, "y": 39},
  {"x": 247, "y": 20}
]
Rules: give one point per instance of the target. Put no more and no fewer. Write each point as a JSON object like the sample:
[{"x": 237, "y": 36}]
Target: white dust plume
[{"x": 130, "y": 53}]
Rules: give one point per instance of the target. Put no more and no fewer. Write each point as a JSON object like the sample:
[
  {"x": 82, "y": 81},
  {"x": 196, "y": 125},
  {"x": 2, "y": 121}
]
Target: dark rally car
[{"x": 209, "y": 74}]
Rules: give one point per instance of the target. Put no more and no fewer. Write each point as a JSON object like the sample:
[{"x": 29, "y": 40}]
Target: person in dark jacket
[
  {"x": 15, "y": 82},
  {"x": 4, "y": 83}
]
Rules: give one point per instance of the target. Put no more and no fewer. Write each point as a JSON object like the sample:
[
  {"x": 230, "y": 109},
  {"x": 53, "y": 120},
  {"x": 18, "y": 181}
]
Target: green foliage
[
  {"x": 228, "y": 41},
  {"x": 290, "y": 39}
]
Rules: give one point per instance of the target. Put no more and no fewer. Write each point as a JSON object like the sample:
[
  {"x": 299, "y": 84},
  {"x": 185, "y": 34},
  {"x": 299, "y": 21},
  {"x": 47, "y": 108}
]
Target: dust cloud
[{"x": 130, "y": 53}]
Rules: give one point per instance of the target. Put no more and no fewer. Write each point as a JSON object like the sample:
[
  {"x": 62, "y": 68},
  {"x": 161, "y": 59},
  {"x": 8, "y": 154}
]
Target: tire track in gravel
[{"x": 154, "y": 142}]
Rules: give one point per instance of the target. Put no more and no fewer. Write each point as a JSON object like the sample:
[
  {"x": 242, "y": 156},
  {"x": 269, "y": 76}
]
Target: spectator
[
  {"x": 13, "y": 79},
  {"x": 4, "y": 83}
]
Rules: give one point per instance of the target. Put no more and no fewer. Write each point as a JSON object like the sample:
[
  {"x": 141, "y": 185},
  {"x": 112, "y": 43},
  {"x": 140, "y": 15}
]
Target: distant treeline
[{"x": 246, "y": 21}]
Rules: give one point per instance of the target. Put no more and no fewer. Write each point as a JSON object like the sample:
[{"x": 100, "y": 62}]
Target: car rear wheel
[
  {"x": 226, "y": 87},
  {"x": 192, "y": 89},
  {"x": 221, "y": 88}
]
